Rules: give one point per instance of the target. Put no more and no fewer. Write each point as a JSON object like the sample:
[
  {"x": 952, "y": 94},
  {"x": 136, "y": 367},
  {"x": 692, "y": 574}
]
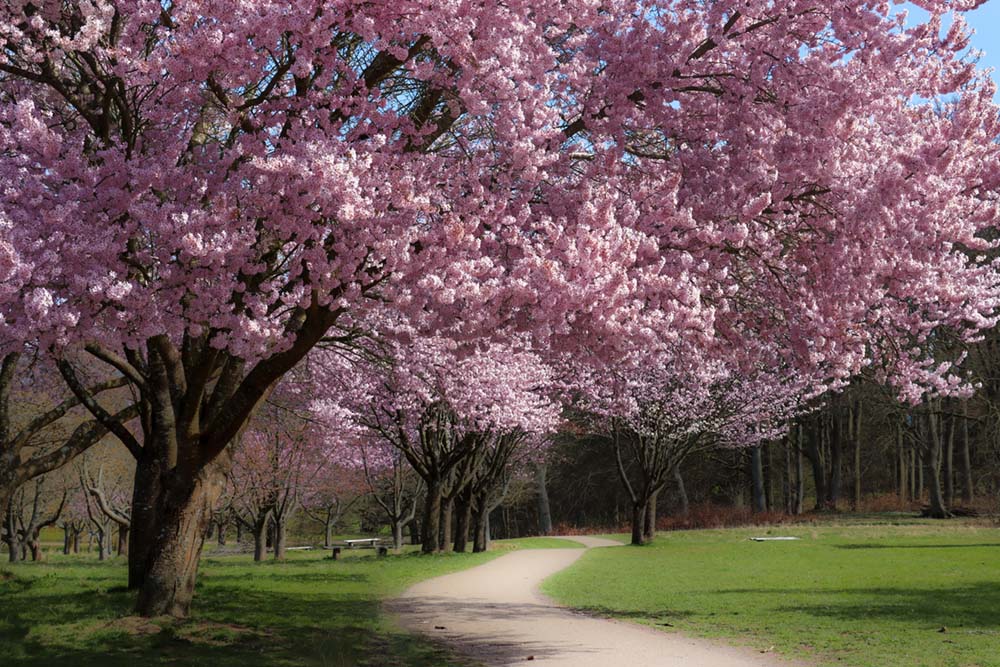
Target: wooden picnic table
[{"x": 363, "y": 541}]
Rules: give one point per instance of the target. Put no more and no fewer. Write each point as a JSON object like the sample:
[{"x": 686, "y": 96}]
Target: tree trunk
[
  {"x": 638, "y": 523},
  {"x": 480, "y": 528},
  {"x": 682, "y": 495},
  {"x": 463, "y": 519},
  {"x": 280, "y": 537},
  {"x": 800, "y": 477},
  {"x": 328, "y": 533},
  {"x": 757, "y": 480},
  {"x": 921, "y": 464},
  {"x": 855, "y": 417},
  {"x": 239, "y": 532},
  {"x": 186, "y": 509},
  {"x": 432, "y": 518},
  {"x": 123, "y": 532},
  {"x": 967, "y": 483},
  {"x": 836, "y": 463},
  {"x": 444, "y": 537},
  {"x": 767, "y": 452},
  {"x": 903, "y": 479},
  {"x": 35, "y": 546},
  {"x": 397, "y": 534},
  {"x": 145, "y": 523},
  {"x": 939, "y": 509},
  {"x": 542, "y": 497},
  {"x": 260, "y": 539},
  {"x": 789, "y": 482},
  {"x": 220, "y": 532},
  {"x": 649, "y": 523},
  {"x": 487, "y": 531},
  {"x": 815, "y": 457},
  {"x": 67, "y": 540},
  {"x": 949, "y": 464},
  {"x": 103, "y": 545},
  {"x": 76, "y": 541}
]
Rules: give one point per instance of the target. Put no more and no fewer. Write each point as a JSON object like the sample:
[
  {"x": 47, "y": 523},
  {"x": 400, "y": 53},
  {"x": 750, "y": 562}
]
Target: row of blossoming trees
[{"x": 462, "y": 221}]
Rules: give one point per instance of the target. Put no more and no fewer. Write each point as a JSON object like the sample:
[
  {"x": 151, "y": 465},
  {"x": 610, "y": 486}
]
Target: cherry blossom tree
[
  {"x": 392, "y": 483},
  {"x": 655, "y": 411},
  {"x": 278, "y": 460},
  {"x": 335, "y": 490},
  {"x": 225, "y": 185},
  {"x": 447, "y": 408}
]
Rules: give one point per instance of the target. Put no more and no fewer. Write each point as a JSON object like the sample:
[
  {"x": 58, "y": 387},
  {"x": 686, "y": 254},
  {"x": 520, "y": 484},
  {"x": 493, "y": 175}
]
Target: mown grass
[
  {"x": 308, "y": 610},
  {"x": 868, "y": 594},
  {"x": 539, "y": 543}
]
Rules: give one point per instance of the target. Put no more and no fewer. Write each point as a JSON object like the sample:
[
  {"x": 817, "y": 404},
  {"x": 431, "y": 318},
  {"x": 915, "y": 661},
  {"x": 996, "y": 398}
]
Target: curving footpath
[{"x": 495, "y": 614}]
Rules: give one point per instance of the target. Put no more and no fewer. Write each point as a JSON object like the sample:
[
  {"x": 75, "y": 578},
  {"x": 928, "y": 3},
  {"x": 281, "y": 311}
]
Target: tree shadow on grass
[
  {"x": 231, "y": 626},
  {"x": 972, "y": 605},
  {"x": 870, "y": 545}
]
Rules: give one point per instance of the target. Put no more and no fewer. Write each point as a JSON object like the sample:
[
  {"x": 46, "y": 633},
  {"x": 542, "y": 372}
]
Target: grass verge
[{"x": 861, "y": 595}]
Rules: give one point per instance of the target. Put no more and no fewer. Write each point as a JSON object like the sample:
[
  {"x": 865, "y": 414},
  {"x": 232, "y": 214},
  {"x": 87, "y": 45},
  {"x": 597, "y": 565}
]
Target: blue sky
[{"x": 986, "y": 22}]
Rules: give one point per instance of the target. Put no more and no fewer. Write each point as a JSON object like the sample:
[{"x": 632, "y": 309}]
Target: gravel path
[{"x": 495, "y": 614}]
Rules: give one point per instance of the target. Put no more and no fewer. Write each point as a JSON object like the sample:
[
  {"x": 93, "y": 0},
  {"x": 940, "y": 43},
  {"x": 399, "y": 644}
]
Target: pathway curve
[{"x": 495, "y": 614}]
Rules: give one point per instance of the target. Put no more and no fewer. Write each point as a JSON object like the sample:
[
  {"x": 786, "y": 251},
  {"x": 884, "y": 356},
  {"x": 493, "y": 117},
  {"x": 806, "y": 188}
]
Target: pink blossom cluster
[{"x": 808, "y": 179}]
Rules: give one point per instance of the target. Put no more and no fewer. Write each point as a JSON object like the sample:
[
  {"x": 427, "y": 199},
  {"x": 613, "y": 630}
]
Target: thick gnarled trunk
[
  {"x": 146, "y": 489},
  {"x": 185, "y": 510}
]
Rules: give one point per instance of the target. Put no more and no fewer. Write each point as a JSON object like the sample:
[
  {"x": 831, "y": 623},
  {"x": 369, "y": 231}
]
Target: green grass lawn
[
  {"x": 880, "y": 595},
  {"x": 306, "y": 611},
  {"x": 539, "y": 543}
]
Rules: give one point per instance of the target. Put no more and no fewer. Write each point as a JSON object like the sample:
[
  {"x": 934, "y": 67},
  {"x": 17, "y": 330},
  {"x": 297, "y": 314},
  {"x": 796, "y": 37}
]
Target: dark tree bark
[
  {"x": 638, "y": 523},
  {"x": 280, "y": 538},
  {"x": 463, "y": 519},
  {"x": 948, "y": 464},
  {"x": 814, "y": 453},
  {"x": 800, "y": 476},
  {"x": 854, "y": 419},
  {"x": 432, "y": 517},
  {"x": 902, "y": 465},
  {"x": 967, "y": 483},
  {"x": 146, "y": 488},
  {"x": 759, "y": 500},
  {"x": 933, "y": 449},
  {"x": 836, "y": 441},
  {"x": 542, "y": 500},
  {"x": 185, "y": 512},
  {"x": 445, "y": 534}
]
